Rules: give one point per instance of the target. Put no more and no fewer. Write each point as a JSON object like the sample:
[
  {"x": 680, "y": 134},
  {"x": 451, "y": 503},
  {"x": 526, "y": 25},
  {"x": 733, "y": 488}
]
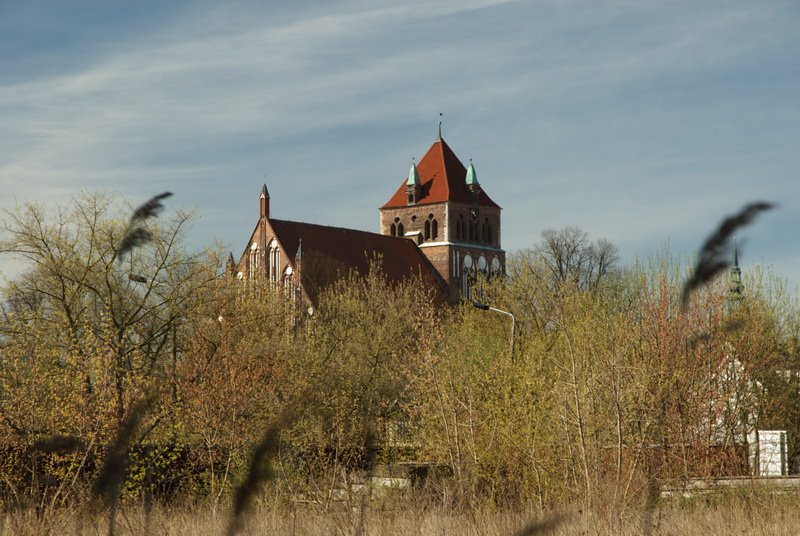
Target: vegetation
[{"x": 156, "y": 378}]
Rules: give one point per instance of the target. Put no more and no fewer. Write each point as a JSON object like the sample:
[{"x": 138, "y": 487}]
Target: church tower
[{"x": 442, "y": 207}]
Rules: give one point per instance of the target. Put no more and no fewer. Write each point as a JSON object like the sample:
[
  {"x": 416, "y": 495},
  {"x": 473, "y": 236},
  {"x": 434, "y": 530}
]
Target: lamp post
[{"x": 484, "y": 307}]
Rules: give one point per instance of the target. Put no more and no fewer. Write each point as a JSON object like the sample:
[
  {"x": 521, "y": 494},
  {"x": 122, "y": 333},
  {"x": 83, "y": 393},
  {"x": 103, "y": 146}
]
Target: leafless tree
[{"x": 570, "y": 257}]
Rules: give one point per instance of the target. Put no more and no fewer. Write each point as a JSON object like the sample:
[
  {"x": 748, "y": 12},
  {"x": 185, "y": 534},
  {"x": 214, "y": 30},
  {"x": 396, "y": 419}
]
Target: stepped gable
[{"x": 442, "y": 177}]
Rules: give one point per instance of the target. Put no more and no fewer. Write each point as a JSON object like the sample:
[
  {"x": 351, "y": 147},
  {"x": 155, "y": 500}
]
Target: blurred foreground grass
[{"x": 764, "y": 515}]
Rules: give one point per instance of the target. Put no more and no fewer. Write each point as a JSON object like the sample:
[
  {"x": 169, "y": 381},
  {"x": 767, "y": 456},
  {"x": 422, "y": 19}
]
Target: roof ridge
[{"x": 335, "y": 228}]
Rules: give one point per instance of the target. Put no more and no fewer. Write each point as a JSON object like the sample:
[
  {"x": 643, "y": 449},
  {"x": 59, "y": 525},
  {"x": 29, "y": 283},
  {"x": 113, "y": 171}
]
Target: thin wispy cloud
[{"x": 590, "y": 114}]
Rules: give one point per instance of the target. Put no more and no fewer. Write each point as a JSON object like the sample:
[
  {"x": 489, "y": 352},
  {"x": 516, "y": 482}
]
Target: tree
[
  {"x": 84, "y": 333},
  {"x": 571, "y": 258}
]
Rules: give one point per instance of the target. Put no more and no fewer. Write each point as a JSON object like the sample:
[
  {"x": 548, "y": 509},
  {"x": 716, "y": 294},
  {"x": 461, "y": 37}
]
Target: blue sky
[{"x": 643, "y": 122}]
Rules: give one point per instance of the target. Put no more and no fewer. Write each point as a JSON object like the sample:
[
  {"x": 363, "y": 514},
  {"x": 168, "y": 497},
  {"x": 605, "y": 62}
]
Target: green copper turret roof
[
  {"x": 472, "y": 177},
  {"x": 413, "y": 175},
  {"x": 735, "y": 285}
]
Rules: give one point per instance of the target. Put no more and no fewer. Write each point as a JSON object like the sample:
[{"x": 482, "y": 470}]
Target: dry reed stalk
[
  {"x": 135, "y": 235},
  {"x": 259, "y": 471},
  {"x": 115, "y": 462},
  {"x": 371, "y": 456},
  {"x": 713, "y": 256},
  {"x": 548, "y": 525}
]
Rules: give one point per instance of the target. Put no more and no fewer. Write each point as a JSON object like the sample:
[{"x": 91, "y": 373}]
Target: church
[{"x": 439, "y": 225}]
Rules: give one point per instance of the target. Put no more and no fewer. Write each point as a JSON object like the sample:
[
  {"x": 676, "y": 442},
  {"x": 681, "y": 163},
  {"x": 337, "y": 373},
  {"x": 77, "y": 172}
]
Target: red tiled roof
[
  {"x": 442, "y": 176},
  {"x": 401, "y": 258}
]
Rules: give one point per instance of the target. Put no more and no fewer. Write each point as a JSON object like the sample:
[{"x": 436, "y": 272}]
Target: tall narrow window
[
  {"x": 252, "y": 261},
  {"x": 427, "y": 229},
  {"x": 400, "y": 230},
  {"x": 288, "y": 283},
  {"x": 466, "y": 275},
  {"x": 393, "y": 230},
  {"x": 489, "y": 237},
  {"x": 274, "y": 261},
  {"x": 434, "y": 229}
]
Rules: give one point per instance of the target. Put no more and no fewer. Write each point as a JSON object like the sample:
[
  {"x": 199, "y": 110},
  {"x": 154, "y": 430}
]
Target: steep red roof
[
  {"x": 442, "y": 177},
  {"x": 401, "y": 258}
]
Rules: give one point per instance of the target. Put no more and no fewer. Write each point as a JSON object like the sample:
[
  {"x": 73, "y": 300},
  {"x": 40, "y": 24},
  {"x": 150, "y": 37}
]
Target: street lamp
[{"x": 484, "y": 307}]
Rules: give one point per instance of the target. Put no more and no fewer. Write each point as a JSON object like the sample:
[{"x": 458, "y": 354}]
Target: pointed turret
[
  {"x": 230, "y": 266},
  {"x": 413, "y": 185},
  {"x": 472, "y": 177},
  {"x": 413, "y": 175},
  {"x": 472, "y": 183},
  {"x": 264, "y": 202}
]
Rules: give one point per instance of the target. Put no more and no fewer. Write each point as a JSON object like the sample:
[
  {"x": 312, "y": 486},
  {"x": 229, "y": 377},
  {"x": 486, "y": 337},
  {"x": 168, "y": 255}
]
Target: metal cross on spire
[{"x": 440, "y": 126}]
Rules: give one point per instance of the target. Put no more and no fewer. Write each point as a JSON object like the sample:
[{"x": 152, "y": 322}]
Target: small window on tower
[
  {"x": 435, "y": 229},
  {"x": 393, "y": 230}
]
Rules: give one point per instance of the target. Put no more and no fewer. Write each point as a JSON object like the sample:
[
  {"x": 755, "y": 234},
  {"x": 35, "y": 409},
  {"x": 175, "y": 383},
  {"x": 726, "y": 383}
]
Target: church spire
[{"x": 735, "y": 285}]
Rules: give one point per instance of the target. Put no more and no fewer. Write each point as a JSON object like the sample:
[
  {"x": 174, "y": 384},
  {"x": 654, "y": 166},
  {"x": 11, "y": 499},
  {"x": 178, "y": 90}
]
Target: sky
[{"x": 642, "y": 122}]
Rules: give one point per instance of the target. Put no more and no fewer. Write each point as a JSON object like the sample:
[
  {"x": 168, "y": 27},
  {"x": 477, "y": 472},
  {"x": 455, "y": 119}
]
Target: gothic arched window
[
  {"x": 252, "y": 260},
  {"x": 274, "y": 261},
  {"x": 288, "y": 283},
  {"x": 427, "y": 229},
  {"x": 434, "y": 229},
  {"x": 393, "y": 230},
  {"x": 400, "y": 230},
  {"x": 466, "y": 276}
]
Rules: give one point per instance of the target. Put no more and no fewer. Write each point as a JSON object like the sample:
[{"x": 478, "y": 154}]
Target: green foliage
[{"x": 611, "y": 386}]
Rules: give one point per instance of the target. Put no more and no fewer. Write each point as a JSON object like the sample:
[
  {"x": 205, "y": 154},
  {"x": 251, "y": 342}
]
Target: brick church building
[{"x": 439, "y": 225}]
